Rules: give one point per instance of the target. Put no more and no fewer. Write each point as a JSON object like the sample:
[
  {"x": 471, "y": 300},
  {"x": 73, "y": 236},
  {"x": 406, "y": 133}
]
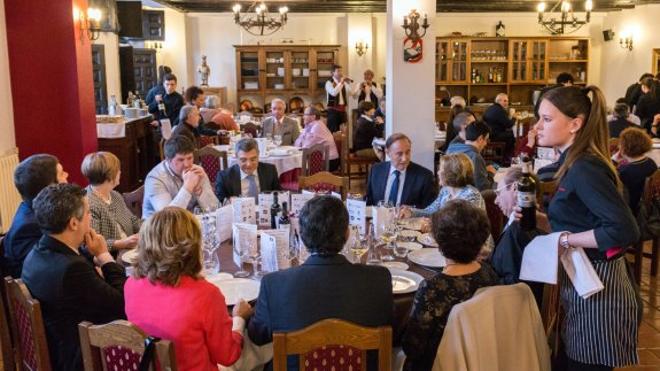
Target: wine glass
[
  {"x": 277, "y": 140},
  {"x": 388, "y": 234},
  {"x": 358, "y": 247},
  {"x": 211, "y": 261},
  {"x": 255, "y": 257},
  {"x": 240, "y": 250}
]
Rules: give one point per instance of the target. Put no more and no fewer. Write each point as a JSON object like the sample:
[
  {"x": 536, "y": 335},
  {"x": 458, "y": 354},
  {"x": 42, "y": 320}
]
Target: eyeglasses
[{"x": 503, "y": 188}]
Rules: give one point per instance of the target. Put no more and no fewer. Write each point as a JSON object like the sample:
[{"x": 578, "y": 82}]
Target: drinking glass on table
[
  {"x": 240, "y": 250},
  {"x": 388, "y": 234},
  {"x": 358, "y": 247},
  {"x": 255, "y": 258},
  {"x": 277, "y": 140}
]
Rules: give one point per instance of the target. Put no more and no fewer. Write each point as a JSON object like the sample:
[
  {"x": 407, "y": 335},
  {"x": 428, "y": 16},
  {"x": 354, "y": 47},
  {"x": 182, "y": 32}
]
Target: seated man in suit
[
  {"x": 240, "y": 180},
  {"x": 476, "y": 139},
  {"x": 278, "y": 124},
  {"x": 188, "y": 123},
  {"x": 326, "y": 285},
  {"x": 176, "y": 181},
  {"x": 400, "y": 181},
  {"x": 31, "y": 176},
  {"x": 65, "y": 282},
  {"x": 501, "y": 123}
]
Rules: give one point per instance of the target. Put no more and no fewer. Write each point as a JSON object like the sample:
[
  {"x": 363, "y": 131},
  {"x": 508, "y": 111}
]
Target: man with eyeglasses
[{"x": 316, "y": 132}]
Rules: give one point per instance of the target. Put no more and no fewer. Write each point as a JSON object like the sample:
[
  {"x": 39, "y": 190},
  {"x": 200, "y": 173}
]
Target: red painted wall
[{"x": 51, "y": 81}]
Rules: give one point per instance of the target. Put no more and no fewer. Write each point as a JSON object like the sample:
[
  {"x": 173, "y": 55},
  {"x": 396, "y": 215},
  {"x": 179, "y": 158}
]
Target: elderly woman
[
  {"x": 168, "y": 298},
  {"x": 188, "y": 123},
  {"x": 634, "y": 143},
  {"x": 460, "y": 230},
  {"x": 110, "y": 215}
]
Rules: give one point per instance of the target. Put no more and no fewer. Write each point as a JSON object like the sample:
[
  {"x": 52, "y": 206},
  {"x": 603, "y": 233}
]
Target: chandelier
[
  {"x": 567, "y": 19},
  {"x": 261, "y": 22}
]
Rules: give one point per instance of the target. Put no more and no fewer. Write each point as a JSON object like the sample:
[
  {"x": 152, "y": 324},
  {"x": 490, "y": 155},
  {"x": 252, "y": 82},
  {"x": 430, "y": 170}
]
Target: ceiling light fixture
[
  {"x": 261, "y": 22},
  {"x": 568, "y": 22}
]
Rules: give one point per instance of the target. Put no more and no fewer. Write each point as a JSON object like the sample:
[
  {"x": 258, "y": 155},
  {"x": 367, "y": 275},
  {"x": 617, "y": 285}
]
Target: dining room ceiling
[{"x": 380, "y": 6}]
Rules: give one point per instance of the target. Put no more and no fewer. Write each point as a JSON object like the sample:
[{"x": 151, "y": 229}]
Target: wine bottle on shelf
[
  {"x": 283, "y": 221},
  {"x": 275, "y": 209},
  {"x": 526, "y": 187}
]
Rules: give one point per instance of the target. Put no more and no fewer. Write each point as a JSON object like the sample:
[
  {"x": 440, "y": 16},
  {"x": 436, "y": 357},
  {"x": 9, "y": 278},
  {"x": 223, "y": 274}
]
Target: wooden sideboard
[{"x": 137, "y": 152}]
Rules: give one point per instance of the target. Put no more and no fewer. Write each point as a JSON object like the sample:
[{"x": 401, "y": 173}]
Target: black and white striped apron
[{"x": 602, "y": 329}]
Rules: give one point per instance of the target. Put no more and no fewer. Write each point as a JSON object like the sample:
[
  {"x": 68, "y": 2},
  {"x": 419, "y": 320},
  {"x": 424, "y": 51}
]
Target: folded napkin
[{"x": 540, "y": 263}]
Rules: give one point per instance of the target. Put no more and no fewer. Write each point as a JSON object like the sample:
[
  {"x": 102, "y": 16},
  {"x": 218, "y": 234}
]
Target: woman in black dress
[
  {"x": 649, "y": 103},
  {"x": 599, "y": 332}
]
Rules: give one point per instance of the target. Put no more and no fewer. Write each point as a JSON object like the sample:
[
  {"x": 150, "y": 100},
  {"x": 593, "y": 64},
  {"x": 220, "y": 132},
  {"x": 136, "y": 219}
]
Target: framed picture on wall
[
  {"x": 656, "y": 61},
  {"x": 108, "y": 8}
]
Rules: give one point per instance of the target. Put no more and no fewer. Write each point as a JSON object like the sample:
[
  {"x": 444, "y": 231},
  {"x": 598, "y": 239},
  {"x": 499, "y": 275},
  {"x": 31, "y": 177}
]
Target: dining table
[{"x": 286, "y": 159}]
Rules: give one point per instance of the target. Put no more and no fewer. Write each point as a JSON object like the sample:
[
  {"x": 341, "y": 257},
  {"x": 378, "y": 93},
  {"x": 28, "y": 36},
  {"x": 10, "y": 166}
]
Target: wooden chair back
[
  {"x": 212, "y": 160},
  {"x": 134, "y": 199},
  {"x": 495, "y": 151},
  {"x": 28, "y": 327},
  {"x": 339, "y": 142},
  {"x": 205, "y": 140},
  {"x": 6, "y": 343},
  {"x": 250, "y": 128},
  {"x": 315, "y": 159},
  {"x": 104, "y": 346},
  {"x": 324, "y": 181},
  {"x": 322, "y": 345},
  {"x": 495, "y": 216},
  {"x": 545, "y": 192}
]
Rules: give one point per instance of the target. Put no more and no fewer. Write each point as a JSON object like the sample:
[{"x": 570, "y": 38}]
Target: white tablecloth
[
  {"x": 282, "y": 163},
  {"x": 654, "y": 153},
  {"x": 110, "y": 130}
]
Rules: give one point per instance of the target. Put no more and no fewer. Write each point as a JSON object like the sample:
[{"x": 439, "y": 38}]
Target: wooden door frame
[{"x": 654, "y": 61}]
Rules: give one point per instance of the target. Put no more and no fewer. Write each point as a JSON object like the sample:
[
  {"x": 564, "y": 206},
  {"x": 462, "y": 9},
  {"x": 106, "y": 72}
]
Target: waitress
[{"x": 599, "y": 332}]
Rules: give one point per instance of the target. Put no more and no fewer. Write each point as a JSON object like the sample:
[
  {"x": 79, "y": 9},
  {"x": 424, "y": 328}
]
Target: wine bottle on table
[
  {"x": 527, "y": 196},
  {"x": 284, "y": 221},
  {"x": 274, "y": 211}
]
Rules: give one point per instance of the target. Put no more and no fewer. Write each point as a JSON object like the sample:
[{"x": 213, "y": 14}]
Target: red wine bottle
[{"x": 527, "y": 196}]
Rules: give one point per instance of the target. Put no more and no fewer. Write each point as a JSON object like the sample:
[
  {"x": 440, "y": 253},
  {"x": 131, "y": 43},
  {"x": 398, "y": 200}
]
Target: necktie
[
  {"x": 394, "y": 189},
  {"x": 252, "y": 186}
]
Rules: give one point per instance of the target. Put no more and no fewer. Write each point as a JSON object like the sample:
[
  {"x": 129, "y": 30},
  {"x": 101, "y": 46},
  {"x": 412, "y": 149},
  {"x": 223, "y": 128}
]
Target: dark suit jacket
[
  {"x": 499, "y": 122},
  {"x": 185, "y": 130},
  {"x": 321, "y": 288},
  {"x": 21, "y": 237},
  {"x": 418, "y": 189},
  {"x": 228, "y": 182},
  {"x": 71, "y": 291}
]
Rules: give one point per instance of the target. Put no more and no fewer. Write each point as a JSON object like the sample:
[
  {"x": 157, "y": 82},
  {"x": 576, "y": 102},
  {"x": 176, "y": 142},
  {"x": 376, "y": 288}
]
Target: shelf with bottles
[
  {"x": 488, "y": 75},
  {"x": 488, "y": 55},
  {"x": 568, "y": 50},
  {"x": 484, "y": 94},
  {"x": 445, "y": 91}
]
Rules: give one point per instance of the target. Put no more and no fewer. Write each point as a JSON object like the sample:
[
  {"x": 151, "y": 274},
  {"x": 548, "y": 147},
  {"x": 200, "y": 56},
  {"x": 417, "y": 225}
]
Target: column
[
  {"x": 411, "y": 86},
  {"x": 359, "y": 27},
  {"x": 51, "y": 81}
]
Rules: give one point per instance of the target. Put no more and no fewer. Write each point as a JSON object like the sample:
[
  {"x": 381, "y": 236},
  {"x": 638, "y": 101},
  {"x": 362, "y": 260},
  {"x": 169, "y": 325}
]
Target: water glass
[
  {"x": 241, "y": 251},
  {"x": 255, "y": 258},
  {"x": 400, "y": 251},
  {"x": 211, "y": 262},
  {"x": 277, "y": 140},
  {"x": 389, "y": 233}
]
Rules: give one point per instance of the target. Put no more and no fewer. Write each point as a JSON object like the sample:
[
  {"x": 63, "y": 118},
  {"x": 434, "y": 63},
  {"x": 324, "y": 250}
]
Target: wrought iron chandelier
[
  {"x": 261, "y": 22},
  {"x": 568, "y": 22}
]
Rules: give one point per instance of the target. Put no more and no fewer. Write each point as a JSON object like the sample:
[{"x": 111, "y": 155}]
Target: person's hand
[
  {"x": 531, "y": 137},
  {"x": 404, "y": 212},
  {"x": 426, "y": 225},
  {"x": 242, "y": 309},
  {"x": 656, "y": 119},
  {"x": 512, "y": 112},
  {"x": 491, "y": 169},
  {"x": 192, "y": 178},
  {"x": 96, "y": 244},
  {"x": 379, "y": 120},
  {"x": 126, "y": 243},
  {"x": 154, "y": 123},
  {"x": 159, "y": 98}
]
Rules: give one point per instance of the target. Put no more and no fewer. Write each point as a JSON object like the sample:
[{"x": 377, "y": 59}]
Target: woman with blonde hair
[
  {"x": 110, "y": 215},
  {"x": 168, "y": 298},
  {"x": 599, "y": 332}
]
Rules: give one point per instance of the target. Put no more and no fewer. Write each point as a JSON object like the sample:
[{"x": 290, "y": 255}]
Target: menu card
[
  {"x": 166, "y": 128},
  {"x": 244, "y": 210},
  {"x": 275, "y": 249},
  {"x": 357, "y": 210},
  {"x": 545, "y": 153},
  {"x": 224, "y": 218},
  {"x": 244, "y": 239},
  {"x": 298, "y": 200},
  {"x": 381, "y": 216},
  {"x": 265, "y": 201}
]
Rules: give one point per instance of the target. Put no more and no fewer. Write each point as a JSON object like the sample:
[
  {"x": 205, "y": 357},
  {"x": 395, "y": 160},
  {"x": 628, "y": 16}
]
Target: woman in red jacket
[{"x": 168, "y": 298}]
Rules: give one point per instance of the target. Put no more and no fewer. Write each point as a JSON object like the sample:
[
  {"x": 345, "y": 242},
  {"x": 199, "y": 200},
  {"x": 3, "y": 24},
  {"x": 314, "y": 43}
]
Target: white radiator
[{"x": 9, "y": 197}]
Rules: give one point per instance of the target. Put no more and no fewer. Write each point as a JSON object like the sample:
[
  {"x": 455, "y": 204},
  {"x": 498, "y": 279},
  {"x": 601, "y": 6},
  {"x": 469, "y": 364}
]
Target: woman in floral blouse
[{"x": 460, "y": 230}]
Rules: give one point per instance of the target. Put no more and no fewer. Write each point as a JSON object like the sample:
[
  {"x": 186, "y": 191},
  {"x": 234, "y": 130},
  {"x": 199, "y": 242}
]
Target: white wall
[
  {"x": 7, "y": 136},
  {"x": 110, "y": 42},
  {"x": 175, "y": 50},
  {"x": 622, "y": 67}
]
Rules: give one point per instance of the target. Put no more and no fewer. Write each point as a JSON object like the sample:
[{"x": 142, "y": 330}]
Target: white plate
[
  {"x": 427, "y": 239},
  {"x": 396, "y": 265},
  {"x": 236, "y": 289},
  {"x": 428, "y": 258},
  {"x": 280, "y": 152},
  {"x": 407, "y": 233},
  {"x": 129, "y": 256},
  {"x": 414, "y": 224},
  {"x": 404, "y": 282},
  {"x": 410, "y": 245}
]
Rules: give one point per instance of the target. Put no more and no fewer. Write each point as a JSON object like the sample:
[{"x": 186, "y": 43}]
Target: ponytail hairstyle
[
  {"x": 650, "y": 84},
  {"x": 593, "y": 137}
]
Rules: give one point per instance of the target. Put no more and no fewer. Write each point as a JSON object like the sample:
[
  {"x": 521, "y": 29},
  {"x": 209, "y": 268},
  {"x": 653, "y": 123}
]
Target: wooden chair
[
  {"x": 348, "y": 159},
  {"x": 315, "y": 159},
  {"x": 250, "y": 128},
  {"x": 324, "y": 181},
  {"x": 495, "y": 216},
  {"x": 325, "y": 343},
  {"x": 27, "y": 327},
  {"x": 104, "y": 346},
  {"x": 210, "y": 159},
  {"x": 545, "y": 192},
  {"x": 651, "y": 191},
  {"x": 495, "y": 151},
  {"x": 6, "y": 344},
  {"x": 134, "y": 199},
  {"x": 205, "y": 140}
]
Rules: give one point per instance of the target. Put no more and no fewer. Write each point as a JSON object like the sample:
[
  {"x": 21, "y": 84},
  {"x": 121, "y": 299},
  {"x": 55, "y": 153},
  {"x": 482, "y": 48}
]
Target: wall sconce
[
  {"x": 626, "y": 42},
  {"x": 90, "y": 23},
  {"x": 156, "y": 45},
  {"x": 361, "y": 48},
  {"x": 411, "y": 25}
]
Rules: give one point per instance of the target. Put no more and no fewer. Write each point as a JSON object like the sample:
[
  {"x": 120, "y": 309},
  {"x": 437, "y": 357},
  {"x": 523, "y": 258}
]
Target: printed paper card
[
  {"x": 265, "y": 202},
  {"x": 275, "y": 249},
  {"x": 545, "y": 153},
  {"x": 298, "y": 200},
  {"x": 244, "y": 241},
  {"x": 245, "y": 210},
  {"x": 357, "y": 212},
  {"x": 224, "y": 218},
  {"x": 166, "y": 128}
]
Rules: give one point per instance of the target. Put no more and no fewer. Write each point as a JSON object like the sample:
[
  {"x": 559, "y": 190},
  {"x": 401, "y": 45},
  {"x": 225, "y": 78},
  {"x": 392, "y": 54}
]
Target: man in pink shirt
[{"x": 316, "y": 132}]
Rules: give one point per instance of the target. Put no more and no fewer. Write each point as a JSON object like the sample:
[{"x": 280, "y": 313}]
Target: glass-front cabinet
[
  {"x": 537, "y": 61},
  {"x": 519, "y": 53},
  {"x": 459, "y": 61}
]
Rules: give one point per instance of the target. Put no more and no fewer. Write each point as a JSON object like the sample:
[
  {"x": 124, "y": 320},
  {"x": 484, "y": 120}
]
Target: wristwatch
[{"x": 563, "y": 240}]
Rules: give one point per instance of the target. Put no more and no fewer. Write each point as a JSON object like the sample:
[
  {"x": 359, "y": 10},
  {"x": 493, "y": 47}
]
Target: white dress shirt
[
  {"x": 388, "y": 186},
  {"x": 378, "y": 92},
  {"x": 334, "y": 90},
  {"x": 245, "y": 184}
]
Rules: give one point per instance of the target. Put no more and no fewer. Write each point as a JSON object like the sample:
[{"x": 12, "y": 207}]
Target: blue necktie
[{"x": 394, "y": 189}]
